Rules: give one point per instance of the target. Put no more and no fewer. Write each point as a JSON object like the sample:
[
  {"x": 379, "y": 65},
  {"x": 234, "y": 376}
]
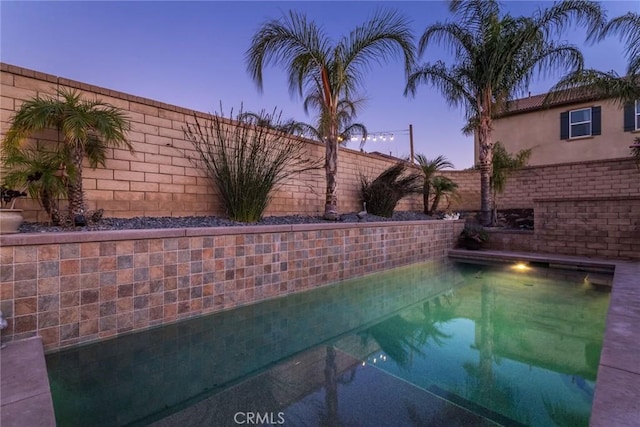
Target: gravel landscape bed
[{"x": 213, "y": 221}]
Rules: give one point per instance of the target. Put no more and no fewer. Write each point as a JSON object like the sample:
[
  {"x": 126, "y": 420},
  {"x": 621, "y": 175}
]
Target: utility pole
[{"x": 411, "y": 141}]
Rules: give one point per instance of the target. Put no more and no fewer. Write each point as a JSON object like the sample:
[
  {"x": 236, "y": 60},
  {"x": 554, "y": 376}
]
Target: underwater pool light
[{"x": 521, "y": 266}]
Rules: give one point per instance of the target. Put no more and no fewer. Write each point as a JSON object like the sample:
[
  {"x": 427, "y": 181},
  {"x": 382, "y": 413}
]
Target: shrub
[
  {"x": 43, "y": 172},
  {"x": 383, "y": 193},
  {"x": 472, "y": 231},
  {"x": 246, "y": 162}
]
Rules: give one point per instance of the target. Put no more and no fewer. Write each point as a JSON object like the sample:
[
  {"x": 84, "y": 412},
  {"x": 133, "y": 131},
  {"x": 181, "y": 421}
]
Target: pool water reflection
[{"x": 450, "y": 344}]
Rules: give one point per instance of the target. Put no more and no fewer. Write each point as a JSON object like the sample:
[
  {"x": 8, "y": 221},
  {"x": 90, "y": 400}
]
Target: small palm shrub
[
  {"x": 44, "y": 173},
  {"x": 244, "y": 161},
  {"x": 86, "y": 128},
  {"x": 383, "y": 193},
  {"x": 443, "y": 187}
]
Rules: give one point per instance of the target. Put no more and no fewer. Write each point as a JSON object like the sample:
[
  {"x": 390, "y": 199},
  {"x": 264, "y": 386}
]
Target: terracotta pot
[{"x": 10, "y": 220}]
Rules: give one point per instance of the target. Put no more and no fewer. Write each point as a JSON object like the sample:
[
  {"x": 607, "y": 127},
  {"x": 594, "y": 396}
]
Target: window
[
  {"x": 580, "y": 123},
  {"x": 632, "y": 116}
]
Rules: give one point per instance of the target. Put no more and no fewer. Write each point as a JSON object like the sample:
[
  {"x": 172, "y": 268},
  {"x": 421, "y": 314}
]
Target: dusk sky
[{"x": 192, "y": 54}]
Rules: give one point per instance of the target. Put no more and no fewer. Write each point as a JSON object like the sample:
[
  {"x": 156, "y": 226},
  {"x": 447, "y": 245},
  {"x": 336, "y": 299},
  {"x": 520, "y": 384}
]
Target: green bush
[
  {"x": 383, "y": 193},
  {"x": 244, "y": 161},
  {"x": 44, "y": 172}
]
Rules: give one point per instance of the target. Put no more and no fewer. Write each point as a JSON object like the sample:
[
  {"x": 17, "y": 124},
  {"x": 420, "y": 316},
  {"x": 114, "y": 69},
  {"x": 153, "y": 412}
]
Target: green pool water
[{"x": 428, "y": 344}]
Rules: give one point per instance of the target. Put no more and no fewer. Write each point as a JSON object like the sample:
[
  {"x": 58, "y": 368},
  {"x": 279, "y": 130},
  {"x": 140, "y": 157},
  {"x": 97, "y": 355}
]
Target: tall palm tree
[
  {"x": 86, "y": 128},
  {"x": 429, "y": 168},
  {"x": 328, "y": 74},
  {"x": 346, "y": 113},
  {"x": 497, "y": 56}
]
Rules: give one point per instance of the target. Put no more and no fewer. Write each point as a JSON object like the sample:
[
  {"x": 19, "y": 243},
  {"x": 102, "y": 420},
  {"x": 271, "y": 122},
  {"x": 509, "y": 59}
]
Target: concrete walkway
[
  {"x": 616, "y": 401},
  {"x": 25, "y": 397}
]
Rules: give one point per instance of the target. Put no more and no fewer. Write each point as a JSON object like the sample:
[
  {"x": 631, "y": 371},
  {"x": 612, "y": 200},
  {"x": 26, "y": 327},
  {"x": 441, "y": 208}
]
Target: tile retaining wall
[{"x": 73, "y": 287}]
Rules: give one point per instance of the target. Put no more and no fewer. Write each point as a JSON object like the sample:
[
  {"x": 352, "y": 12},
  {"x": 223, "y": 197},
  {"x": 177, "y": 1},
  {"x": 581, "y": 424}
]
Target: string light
[{"x": 384, "y": 136}]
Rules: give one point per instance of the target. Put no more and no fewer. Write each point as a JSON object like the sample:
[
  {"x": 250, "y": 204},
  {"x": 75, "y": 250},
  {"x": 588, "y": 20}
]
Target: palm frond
[
  {"x": 627, "y": 28},
  {"x": 595, "y": 84},
  {"x": 450, "y": 82}
]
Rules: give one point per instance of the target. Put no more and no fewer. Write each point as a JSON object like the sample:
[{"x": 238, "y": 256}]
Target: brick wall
[
  {"x": 510, "y": 240},
  {"x": 158, "y": 179},
  {"x": 468, "y": 190},
  {"x": 606, "y": 227},
  {"x": 76, "y": 287},
  {"x": 617, "y": 177}
]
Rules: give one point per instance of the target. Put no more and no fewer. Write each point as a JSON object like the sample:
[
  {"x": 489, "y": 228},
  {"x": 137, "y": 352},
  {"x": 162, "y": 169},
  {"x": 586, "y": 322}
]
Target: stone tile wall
[{"x": 76, "y": 287}]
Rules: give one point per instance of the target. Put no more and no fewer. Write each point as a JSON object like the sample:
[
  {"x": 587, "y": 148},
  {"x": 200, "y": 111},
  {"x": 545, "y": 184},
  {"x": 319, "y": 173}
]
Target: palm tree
[
  {"x": 607, "y": 84},
  {"x": 497, "y": 57},
  {"x": 627, "y": 28},
  {"x": 326, "y": 74},
  {"x": 503, "y": 164},
  {"x": 42, "y": 172},
  {"x": 442, "y": 187},
  {"x": 429, "y": 168},
  {"x": 271, "y": 121},
  {"x": 345, "y": 116},
  {"x": 87, "y": 128}
]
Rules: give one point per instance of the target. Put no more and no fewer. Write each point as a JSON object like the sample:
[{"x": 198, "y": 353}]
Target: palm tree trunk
[
  {"x": 50, "y": 206},
  {"x": 436, "y": 202},
  {"x": 485, "y": 145},
  {"x": 76, "y": 196},
  {"x": 425, "y": 196},
  {"x": 331, "y": 168}
]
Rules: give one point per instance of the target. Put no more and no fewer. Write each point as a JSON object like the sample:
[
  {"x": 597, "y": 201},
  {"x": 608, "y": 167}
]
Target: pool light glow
[{"x": 520, "y": 266}]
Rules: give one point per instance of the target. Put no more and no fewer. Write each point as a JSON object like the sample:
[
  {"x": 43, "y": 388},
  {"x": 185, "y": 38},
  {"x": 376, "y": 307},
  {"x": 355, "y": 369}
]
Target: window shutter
[
  {"x": 629, "y": 117},
  {"x": 596, "y": 120},
  {"x": 564, "y": 125}
]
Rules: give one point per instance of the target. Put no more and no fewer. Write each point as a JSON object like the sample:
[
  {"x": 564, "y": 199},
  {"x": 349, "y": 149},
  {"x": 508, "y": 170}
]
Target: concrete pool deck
[
  {"x": 25, "y": 395},
  {"x": 616, "y": 400}
]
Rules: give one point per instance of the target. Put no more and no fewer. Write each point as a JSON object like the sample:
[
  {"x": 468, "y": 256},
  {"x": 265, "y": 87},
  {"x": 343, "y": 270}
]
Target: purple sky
[{"x": 191, "y": 54}]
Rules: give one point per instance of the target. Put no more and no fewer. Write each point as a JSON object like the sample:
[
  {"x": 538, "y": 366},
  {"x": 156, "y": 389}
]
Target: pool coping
[
  {"x": 25, "y": 395},
  {"x": 618, "y": 379}
]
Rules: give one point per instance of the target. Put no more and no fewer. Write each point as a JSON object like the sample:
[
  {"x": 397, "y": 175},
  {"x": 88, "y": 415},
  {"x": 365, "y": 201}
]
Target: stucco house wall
[{"x": 540, "y": 129}]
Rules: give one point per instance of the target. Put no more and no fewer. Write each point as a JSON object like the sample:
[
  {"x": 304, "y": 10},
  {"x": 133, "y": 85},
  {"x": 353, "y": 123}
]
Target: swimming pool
[{"x": 454, "y": 344}]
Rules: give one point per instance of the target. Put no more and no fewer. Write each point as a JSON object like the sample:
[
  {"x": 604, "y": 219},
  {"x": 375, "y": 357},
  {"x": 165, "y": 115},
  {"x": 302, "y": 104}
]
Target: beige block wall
[
  {"x": 158, "y": 179},
  {"x": 606, "y": 227},
  {"x": 540, "y": 130},
  {"x": 617, "y": 177}
]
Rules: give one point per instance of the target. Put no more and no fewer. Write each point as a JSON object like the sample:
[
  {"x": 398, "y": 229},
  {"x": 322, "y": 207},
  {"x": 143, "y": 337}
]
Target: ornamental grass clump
[
  {"x": 246, "y": 162},
  {"x": 383, "y": 193}
]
